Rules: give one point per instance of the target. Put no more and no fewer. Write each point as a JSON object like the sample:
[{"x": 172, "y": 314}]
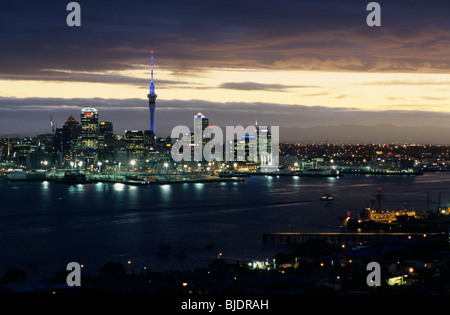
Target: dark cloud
[
  {"x": 30, "y": 116},
  {"x": 73, "y": 76},
  {"x": 323, "y": 34},
  {"x": 189, "y": 36},
  {"x": 254, "y": 86}
]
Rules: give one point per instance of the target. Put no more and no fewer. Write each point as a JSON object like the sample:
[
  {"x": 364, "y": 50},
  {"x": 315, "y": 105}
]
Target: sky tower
[{"x": 152, "y": 100}]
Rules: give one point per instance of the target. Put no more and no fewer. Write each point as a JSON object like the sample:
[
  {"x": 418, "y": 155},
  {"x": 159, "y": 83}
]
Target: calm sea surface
[{"x": 51, "y": 224}]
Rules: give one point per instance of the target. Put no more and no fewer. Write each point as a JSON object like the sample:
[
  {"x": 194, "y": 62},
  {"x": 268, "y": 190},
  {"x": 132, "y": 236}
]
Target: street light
[
  {"x": 166, "y": 165},
  {"x": 44, "y": 164},
  {"x": 133, "y": 163}
]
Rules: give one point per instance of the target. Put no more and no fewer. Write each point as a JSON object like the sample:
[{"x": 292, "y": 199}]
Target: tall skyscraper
[
  {"x": 72, "y": 134},
  {"x": 134, "y": 143},
  {"x": 66, "y": 142},
  {"x": 105, "y": 140},
  {"x": 105, "y": 134},
  {"x": 200, "y": 123},
  {"x": 89, "y": 128},
  {"x": 152, "y": 100}
]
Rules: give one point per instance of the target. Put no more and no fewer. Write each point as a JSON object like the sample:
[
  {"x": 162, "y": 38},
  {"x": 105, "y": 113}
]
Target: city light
[{"x": 353, "y": 102}]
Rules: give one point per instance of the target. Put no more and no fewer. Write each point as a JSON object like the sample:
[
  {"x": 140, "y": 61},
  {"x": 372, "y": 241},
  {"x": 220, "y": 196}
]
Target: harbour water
[{"x": 46, "y": 225}]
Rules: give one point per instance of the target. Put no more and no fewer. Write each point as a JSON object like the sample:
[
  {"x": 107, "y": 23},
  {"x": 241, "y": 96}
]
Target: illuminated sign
[
  {"x": 396, "y": 281},
  {"x": 88, "y": 114}
]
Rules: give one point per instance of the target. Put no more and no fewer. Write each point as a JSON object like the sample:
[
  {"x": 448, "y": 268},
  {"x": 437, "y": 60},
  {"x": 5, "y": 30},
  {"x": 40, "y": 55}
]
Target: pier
[{"x": 345, "y": 238}]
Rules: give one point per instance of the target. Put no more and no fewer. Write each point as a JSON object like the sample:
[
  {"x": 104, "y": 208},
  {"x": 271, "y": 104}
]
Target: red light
[
  {"x": 88, "y": 114},
  {"x": 389, "y": 153}
]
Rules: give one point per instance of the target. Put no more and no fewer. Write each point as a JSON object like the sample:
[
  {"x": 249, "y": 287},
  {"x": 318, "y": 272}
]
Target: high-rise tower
[
  {"x": 89, "y": 135},
  {"x": 152, "y": 100},
  {"x": 89, "y": 128},
  {"x": 201, "y": 134}
]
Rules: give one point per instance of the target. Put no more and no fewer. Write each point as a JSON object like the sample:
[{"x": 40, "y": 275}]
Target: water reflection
[
  {"x": 126, "y": 221},
  {"x": 45, "y": 192},
  {"x": 166, "y": 192},
  {"x": 199, "y": 186},
  {"x": 119, "y": 187}
]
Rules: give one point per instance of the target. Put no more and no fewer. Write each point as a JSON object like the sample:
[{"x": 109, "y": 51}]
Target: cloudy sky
[{"x": 286, "y": 63}]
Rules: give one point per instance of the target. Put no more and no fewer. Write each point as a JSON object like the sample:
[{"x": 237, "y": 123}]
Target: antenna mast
[
  {"x": 152, "y": 84},
  {"x": 51, "y": 124}
]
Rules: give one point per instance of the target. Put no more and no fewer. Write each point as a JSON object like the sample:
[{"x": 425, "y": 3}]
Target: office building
[
  {"x": 106, "y": 147},
  {"x": 89, "y": 128},
  {"x": 89, "y": 136},
  {"x": 134, "y": 143}
]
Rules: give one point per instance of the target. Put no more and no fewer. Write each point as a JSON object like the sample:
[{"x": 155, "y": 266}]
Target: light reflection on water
[
  {"x": 97, "y": 223},
  {"x": 119, "y": 186}
]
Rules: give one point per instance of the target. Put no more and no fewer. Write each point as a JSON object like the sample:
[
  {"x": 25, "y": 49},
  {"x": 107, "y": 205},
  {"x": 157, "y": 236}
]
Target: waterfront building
[
  {"x": 134, "y": 143},
  {"x": 21, "y": 148},
  {"x": 106, "y": 147},
  {"x": 67, "y": 142},
  {"x": 149, "y": 141}
]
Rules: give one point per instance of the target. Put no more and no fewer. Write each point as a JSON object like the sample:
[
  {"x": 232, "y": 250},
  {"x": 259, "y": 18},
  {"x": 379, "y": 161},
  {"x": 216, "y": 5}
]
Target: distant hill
[{"x": 383, "y": 133}]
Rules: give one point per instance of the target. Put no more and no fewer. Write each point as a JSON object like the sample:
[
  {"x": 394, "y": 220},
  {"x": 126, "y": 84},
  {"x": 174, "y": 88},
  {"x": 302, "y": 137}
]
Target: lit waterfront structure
[{"x": 152, "y": 99}]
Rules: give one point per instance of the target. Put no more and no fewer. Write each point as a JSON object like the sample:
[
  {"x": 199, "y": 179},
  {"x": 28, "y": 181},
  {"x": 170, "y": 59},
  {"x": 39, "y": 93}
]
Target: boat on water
[
  {"x": 26, "y": 176},
  {"x": 400, "y": 220},
  {"x": 233, "y": 174},
  {"x": 72, "y": 178},
  {"x": 375, "y": 217},
  {"x": 426, "y": 221},
  {"x": 327, "y": 197}
]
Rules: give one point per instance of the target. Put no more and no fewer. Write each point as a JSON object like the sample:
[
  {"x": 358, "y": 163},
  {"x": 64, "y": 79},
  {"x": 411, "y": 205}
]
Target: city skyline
[
  {"x": 234, "y": 62},
  {"x": 211, "y": 148}
]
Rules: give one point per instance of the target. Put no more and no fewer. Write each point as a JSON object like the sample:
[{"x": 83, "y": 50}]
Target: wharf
[
  {"x": 174, "y": 181},
  {"x": 347, "y": 238}
]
